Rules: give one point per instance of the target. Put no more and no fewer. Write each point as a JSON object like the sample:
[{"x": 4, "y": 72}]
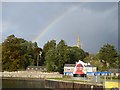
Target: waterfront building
[
  {"x": 68, "y": 69},
  {"x": 80, "y": 68},
  {"x": 114, "y": 72}
]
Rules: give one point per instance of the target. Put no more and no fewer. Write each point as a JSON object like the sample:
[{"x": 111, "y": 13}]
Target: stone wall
[{"x": 31, "y": 74}]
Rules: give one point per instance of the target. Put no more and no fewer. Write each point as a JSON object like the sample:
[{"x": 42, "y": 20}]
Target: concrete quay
[{"x": 31, "y": 74}]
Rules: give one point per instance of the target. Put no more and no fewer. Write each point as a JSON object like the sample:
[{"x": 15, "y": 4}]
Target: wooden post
[{"x": 73, "y": 84}]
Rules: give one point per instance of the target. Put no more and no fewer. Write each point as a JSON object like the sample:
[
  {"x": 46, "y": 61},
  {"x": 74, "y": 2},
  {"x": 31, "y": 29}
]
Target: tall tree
[
  {"x": 75, "y": 54},
  {"x": 94, "y": 60},
  {"x": 109, "y": 56},
  {"x": 38, "y": 52},
  {"x": 17, "y": 53},
  {"x": 62, "y": 55},
  {"x": 55, "y": 58},
  {"x": 51, "y": 60},
  {"x": 0, "y": 57},
  {"x": 48, "y": 46}
]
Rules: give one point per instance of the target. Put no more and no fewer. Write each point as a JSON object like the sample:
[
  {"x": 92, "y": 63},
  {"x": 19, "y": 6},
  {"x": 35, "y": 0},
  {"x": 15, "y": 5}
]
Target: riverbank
[
  {"x": 47, "y": 84},
  {"x": 30, "y": 74},
  {"x": 67, "y": 85},
  {"x": 21, "y": 78},
  {"x": 56, "y": 80}
]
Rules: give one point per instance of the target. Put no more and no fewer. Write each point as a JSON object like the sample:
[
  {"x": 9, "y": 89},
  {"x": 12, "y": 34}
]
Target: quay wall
[
  {"x": 71, "y": 85},
  {"x": 31, "y": 74}
]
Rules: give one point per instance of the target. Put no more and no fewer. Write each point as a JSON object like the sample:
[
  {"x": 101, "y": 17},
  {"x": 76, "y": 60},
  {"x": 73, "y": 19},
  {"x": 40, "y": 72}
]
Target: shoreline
[
  {"x": 48, "y": 79},
  {"x": 51, "y": 80},
  {"x": 57, "y": 84},
  {"x": 21, "y": 78},
  {"x": 31, "y": 74}
]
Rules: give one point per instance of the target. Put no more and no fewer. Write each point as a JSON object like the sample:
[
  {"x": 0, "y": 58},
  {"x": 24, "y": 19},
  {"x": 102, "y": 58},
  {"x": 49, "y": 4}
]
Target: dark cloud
[
  {"x": 96, "y": 23},
  {"x": 99, "y": 6}
]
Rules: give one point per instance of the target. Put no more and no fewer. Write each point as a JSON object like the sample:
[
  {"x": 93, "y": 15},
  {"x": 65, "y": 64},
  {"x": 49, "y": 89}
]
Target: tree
[
  {"x": 37, "y": 52},
  {"x": 62, "y": 55},
  {"x": 0, "y": 53},
  {"x": 57, "y": 57},
  {"x": 94, "y": 60},
  {"x": 51, "y": 60},
  {"x": 17, "y": 53},
  {"x": 75, "y": 54},
  {"x": 48, "y": 46},
  {"x": 108, "y": 56}
]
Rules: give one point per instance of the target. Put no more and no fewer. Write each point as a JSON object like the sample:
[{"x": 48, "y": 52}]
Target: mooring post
[
  {"x": 73, "y": 84},
  {"x": 111, "y": 77},
  {"x": 104, "y": 82},
  {"x": 96, "y": 78},
  {"x": 92, "y": 87}
]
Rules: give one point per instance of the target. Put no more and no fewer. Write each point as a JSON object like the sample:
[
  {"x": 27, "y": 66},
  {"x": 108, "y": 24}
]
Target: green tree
[
  {"x": 75, "y": 54},
  {"x": 51, "y": 60},
  {"x": 37, "y": 52},
  {"x": 118, "y": 61},
  {"x": 62, "y": 55},
  {"x": 57, "y": 57},
  {"x": 17, "y": 53},
  {"x": 94, "y": 60},
  {"x": 48, "y": 46},
  {"x": 109, "y": 56},
  {"x": 0, "y": 54}
]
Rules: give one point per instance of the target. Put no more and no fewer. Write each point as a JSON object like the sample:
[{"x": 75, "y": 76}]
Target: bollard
[
  {"x": 92, "y": 87},
  {"x": 111, "y": 77},
  {"x": 96, "y": 78}
]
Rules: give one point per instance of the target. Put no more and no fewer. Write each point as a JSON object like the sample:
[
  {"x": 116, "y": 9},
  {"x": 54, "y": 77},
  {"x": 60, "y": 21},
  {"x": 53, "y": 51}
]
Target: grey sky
[{"x": 96, "y": 23}]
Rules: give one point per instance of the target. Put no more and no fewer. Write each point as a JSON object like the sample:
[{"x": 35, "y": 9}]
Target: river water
[{"x": 22, "y": 83}]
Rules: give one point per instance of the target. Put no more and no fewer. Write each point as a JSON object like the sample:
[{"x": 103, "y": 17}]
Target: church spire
[{"x": 78, "y": 42}]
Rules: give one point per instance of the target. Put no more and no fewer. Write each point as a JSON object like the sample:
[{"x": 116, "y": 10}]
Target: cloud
[
  {"x": 60, "y": 0},
  {"x": 96, "y": 23},
  {"x": 95, "y": 28},
  {"x": 5, "y": 26},
  {"x": 55, "y": 21}
]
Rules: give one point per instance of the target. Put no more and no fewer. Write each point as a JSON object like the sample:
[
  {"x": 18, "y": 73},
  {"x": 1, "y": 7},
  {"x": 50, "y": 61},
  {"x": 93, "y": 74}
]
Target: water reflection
[{"x": 17, "y": 83}]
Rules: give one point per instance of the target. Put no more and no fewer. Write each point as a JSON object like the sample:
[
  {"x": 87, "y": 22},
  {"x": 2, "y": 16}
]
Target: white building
[{"x": 80, "y": 68}]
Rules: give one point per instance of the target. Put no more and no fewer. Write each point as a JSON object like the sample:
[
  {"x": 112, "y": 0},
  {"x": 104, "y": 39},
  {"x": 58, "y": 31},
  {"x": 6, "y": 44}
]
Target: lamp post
[{"x": 40, "y": 53}]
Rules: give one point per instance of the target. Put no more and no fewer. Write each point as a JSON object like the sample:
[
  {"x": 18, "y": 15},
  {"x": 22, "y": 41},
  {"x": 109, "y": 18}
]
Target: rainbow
[{"x": 54, "y": 22}]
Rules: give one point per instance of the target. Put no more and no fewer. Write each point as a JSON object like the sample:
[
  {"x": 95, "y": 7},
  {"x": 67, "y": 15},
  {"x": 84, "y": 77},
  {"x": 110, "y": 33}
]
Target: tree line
[{"x": 18, "y": 54}]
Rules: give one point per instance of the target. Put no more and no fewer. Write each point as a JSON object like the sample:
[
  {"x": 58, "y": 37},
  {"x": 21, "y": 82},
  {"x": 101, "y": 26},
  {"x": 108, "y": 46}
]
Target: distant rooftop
[
  {"x": 69, "y": 65},
  {"x": 41, "y": 68},
  {"x": 90, "y": 66},
  {"x": 114, "y": 70},
  {"x": 73, "y": 65}
]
